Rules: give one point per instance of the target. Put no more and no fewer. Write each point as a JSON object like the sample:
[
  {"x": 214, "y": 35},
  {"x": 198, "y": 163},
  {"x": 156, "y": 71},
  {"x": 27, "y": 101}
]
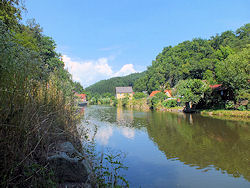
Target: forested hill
[
  {"x": 108, "y": 86},
  {"x": 224, "y": 58},
  {"x": 221, "y": 59}
]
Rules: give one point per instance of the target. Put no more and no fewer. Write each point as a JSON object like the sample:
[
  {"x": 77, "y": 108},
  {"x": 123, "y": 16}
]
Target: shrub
[
  {"x": 229, "y": 105},
  {"x": 125, "y": 101},
  {"x": 169, "y": 103},
  {"x": 139, "y": 95},
  {"x": 241, "y": 108},
  {"x": 161, "y": 96}
]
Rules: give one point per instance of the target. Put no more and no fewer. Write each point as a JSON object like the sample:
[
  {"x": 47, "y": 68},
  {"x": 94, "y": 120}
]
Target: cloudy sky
[{"x": 101, "y": 39}]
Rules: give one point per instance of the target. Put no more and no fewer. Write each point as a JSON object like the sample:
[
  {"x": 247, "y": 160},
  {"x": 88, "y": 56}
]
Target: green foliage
[
  {"x": 234, "y": 72},
  {"x": 78, "y": 87},
  {"x": 242, "y": 108},
  {"x": 243, "y": 94},
  {"x": 191, "y": 90},
  {"x": 161, "y": 96},
  {"x": 108, "y": 86},
  {"x": 194, "y": 59},
  {"x": 154, "y": 101},
  {"x": 36, "y": 100},
  {"x": 10, "y": 12},
  {"x": 107, "y": 95},
  {"x": 108, "y": 171},
  {"x": 229, "y": 105},
  {"x": 125, "y": 100},
  {"x": 169, "y": 103},
  {"x": 209, "y": 76},
  {"x": 139, "y": 95}
]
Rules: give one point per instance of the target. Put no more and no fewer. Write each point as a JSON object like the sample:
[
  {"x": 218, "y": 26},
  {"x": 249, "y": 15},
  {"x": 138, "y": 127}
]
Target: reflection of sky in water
[
  {"x": 103, "y": 135},
  {"x": 148, "y": 165},
  {"x": 128, "y": 132}
]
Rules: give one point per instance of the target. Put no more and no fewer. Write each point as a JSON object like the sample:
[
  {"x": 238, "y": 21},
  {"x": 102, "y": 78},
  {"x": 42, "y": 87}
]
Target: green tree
[
  {"x": 78, "y": 87},
  {"x": 234, "y": 72},
  {"x": 139, "y": 95},
  {"x": 191, "y": 90},
  {"x": 10, "y": 12}
]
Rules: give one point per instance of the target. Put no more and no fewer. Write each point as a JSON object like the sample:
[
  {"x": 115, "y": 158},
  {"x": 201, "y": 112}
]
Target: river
[{"x": 173, "y": 150}]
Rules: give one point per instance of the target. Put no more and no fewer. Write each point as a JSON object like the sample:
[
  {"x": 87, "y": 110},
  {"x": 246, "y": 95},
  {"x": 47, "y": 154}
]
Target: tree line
[
  {"x": 109, "y": 85},
  {"x": 191, "y": 66},
  {"x": 221, "y": 59}
]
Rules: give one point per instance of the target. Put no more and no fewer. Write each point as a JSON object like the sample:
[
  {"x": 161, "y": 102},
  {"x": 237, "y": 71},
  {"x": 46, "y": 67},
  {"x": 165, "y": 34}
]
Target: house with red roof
[
  {"x": 154, "y": 93},
  {"x": 168, "y": 92},
  {"x": 81, "y": 96},
  {"x": 216, "y": 86}
]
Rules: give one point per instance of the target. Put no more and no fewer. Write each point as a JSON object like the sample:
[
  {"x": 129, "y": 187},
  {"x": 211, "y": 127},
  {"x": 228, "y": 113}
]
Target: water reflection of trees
[
  {"x": 195, "y": 140},
  {"x": 203, "y": 142}
]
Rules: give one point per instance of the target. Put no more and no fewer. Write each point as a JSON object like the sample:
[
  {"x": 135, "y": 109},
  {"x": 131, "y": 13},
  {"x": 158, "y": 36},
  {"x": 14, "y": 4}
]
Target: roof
[
  {"x": 215, "y": 86},
  {"x": 169, "y": 91},
  {"x": 80, "y": 95},
  {"x": 153, "y": 93},
  {"x": 165, "y": 91},
  {"x": 124, "y": 90}
]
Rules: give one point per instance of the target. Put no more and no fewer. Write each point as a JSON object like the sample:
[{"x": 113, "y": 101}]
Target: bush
[
  {"x": 161, "y": 96},
  {"x": 229, "y": 105},
  {"x": 169, "y": 103},
  {"x": 139, "y": 95},
  {"x": 125, "y": 101},
  {"x": 152, "y": 102},
  {"x": 241, "y": 108}
]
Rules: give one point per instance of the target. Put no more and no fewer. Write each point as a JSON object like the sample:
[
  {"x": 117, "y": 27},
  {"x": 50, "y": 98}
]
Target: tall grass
[
  {"x": 36, "y": 111},
  {"x": 33, "y": 119}
]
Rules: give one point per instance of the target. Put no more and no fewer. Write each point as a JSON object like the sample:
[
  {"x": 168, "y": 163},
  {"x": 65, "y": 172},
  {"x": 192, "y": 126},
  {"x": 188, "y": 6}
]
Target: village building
[
  {"x": 222, "y": 91},
  {"x": 82, "y": 97},
  {"x": 167, "y": 92},
  {"x": 122, "y": 92}
]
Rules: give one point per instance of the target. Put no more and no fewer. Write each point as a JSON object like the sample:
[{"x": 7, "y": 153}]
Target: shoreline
[{"x": 235, "y": 115}]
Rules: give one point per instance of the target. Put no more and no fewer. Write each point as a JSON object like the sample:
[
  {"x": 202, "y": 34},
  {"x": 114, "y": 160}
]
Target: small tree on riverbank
[{"x": 191, "y": 91}]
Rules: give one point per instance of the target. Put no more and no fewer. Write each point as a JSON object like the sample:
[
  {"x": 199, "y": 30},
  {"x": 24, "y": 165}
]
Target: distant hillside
[{"x": 108, "y": 86}]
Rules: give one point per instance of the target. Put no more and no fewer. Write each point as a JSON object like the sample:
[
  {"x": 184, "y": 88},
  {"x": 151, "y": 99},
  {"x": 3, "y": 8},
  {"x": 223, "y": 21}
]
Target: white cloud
[
  {"x": 128, "y": 132},
  {"x": 125, "y": 70},
  {"x": 103, "y": 135},
  {"x": 103, "y": 67},
  {"x": 89, "y": 72}
]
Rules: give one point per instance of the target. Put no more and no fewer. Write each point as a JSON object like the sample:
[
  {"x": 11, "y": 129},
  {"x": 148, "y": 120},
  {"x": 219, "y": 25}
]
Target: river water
[{"x": 173, "y": 150}]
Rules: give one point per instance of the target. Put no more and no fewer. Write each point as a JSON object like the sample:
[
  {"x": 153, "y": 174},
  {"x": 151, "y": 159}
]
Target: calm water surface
[{"x": 174, "y": 150}]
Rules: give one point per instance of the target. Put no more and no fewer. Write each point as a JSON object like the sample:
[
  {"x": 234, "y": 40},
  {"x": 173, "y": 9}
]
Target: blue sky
[{"x": 100, "y": 39}]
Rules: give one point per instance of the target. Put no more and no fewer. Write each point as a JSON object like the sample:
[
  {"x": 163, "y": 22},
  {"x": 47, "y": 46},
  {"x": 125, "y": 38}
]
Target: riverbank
[
  {"x": 227, "y": 114},
  {"x": 145, "y": 105}
]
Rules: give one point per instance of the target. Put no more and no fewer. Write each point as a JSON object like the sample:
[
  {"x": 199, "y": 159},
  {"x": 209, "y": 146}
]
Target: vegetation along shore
[
  {"x": 40, "y": 145},
  {"x": 198, "y": 75}
]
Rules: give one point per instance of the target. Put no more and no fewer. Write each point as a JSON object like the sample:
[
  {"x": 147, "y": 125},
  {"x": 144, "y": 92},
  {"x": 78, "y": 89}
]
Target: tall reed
[{"x": 34, "y": 116}]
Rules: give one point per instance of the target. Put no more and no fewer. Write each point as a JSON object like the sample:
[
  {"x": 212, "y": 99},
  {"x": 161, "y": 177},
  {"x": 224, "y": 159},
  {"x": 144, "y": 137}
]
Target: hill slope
[{"x": 108, "y": 86}]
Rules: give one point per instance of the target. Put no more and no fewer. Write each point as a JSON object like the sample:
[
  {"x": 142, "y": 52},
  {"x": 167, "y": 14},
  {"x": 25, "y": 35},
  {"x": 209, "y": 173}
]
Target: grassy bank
[{"x": 228, "y": 114}]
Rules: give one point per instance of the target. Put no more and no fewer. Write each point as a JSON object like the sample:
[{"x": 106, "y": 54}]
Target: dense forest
[
  {"x": 36, "y": 99},
  {"x": 221, "y": 59},
  {"x": 108, "y": 86}
]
